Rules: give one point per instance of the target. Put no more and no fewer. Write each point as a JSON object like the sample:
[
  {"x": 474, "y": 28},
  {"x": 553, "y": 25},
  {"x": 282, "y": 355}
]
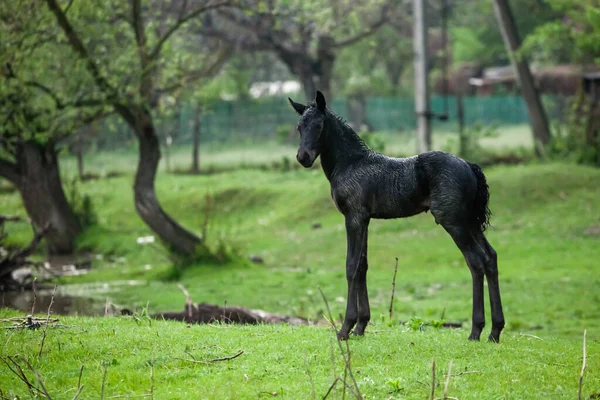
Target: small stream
[{"x": 78, "y": 299}]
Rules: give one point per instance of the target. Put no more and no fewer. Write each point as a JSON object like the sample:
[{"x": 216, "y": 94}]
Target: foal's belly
[
  {"x": 397, "y": 207},
  {"x": 402, "y": 213},
  {"x": 381, "y": 207}
]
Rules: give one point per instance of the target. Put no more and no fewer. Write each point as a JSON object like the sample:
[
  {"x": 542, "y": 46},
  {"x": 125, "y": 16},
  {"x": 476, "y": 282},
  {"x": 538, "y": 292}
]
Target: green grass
[
  {"x": 142, "y": 356},
  {"x": 548, "y": 277},
  {"x": 219, "y": 156}
]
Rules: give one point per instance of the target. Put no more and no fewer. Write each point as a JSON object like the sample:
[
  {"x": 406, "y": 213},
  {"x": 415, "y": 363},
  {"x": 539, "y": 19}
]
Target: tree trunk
[
  {"x": 43, "y": 197},
  {"x": 80, "y": 155},
  {"x": 322, "y": 68},
  {"x": 309, "y": 85},
  {"x": 196, "y": 131},
  {"x": 147, "y": 206},
  {"x": 357, "y": 112},
  {"x": 512, "y": 42}
]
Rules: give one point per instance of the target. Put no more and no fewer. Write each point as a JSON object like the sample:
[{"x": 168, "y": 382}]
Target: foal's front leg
[{"x": 356, "y": 232}]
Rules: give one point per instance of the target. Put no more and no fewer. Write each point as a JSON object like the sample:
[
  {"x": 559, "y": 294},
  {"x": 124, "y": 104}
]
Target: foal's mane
[{"x": 347, "y": 129}]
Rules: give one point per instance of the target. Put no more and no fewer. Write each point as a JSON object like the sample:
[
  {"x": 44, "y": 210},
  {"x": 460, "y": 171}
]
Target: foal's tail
[{"x": 482, "y": 197}]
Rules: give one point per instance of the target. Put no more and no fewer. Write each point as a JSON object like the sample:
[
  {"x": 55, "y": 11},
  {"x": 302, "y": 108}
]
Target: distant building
[
  {"x": 557, "y": 80},
  {"x": 276, "y": 88}
]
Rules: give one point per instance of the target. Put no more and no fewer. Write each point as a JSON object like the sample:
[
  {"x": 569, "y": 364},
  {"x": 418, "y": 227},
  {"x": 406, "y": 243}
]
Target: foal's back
[{"x": 387, "y": 187}]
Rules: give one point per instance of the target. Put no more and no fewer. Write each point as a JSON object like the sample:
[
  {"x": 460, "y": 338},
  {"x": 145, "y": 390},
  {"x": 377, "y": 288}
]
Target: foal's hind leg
[
  {"x": 491, "y": 273},
  {"x": 475, "y": 256}
]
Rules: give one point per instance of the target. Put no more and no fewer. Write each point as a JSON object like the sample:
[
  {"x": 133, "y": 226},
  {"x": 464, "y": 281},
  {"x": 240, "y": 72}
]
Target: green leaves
[
  {"x": 593, "y": 16},
  {"x": 575, "y": 36}
]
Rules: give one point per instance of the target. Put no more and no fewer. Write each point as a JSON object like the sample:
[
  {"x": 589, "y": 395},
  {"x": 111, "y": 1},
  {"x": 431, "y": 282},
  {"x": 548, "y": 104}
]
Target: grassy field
[
  {"x": 215, "y": 156},
  {"x": 548, "y": 261},
  {"x": 132, "y": 357}
]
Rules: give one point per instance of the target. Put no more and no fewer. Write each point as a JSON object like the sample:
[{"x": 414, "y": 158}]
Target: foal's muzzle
[{"x": 306, "y": 157}]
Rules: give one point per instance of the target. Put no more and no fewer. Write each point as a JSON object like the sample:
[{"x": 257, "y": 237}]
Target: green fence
[{"x": 252, "y": 120}]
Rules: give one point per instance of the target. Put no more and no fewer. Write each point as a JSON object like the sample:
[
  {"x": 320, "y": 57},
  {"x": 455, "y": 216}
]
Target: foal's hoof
[
  {"x": 493, "y": 338},
  {"x": 474, "y": 337},
  {"x": 358, "y": 332},
  {"x": 342, "y": 335}
]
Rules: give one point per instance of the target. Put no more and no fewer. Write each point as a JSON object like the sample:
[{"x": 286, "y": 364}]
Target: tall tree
[
  {"x": 305, "y": 35},
  {"x": 539, "y": 120},
  {"x": 135, "y": 52},
  {"x": 474, "y": 30},
  {"x": 40, "y": 105}
]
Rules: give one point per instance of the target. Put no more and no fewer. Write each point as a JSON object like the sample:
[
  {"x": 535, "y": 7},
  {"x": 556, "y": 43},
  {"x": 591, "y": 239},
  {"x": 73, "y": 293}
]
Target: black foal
[{"x": 366, "y": 184}]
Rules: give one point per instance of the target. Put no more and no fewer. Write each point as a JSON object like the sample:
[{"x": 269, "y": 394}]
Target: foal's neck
[{"x": 342, "y": 146}]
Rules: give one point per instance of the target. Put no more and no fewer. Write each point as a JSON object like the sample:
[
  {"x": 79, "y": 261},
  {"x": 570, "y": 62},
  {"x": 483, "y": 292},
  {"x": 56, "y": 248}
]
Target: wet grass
[{"x": 133, "y": 357}]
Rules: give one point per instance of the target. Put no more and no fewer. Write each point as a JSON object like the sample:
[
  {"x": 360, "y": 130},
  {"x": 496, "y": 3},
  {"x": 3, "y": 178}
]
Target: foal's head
[{"x": 310, "y": 126}]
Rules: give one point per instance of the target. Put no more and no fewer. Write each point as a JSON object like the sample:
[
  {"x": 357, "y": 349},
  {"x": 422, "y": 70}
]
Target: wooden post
[
  {"x": 196, "y": 129},
  {"x": 460, "y": 115},
  {"x": 539, "y": 120},
  {"x": 421, "y": 78}
]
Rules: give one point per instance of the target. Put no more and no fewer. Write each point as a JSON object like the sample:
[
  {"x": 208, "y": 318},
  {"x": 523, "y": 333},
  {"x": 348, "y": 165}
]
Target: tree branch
[
  {"x": 206, "y": 72},
  {"x": 140, "y": 38},
  {"x": 181, "y": 21},
  {"x": 361, "y": 35},
  {"x": 69, "y": 6},
  {"x": 78, "y": 46},
  {"x": 9, "y": 171},
  {"x": 48, "y": 91}
]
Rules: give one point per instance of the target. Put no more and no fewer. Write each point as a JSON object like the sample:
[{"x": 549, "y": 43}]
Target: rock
[{"x": 22, "y": 275}]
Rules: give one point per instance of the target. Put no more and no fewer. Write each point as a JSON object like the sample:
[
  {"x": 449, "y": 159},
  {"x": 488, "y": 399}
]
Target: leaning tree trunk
[
  {"x": 309, "y": 85},
  {"x": 42, "y": 193},
  {"x": 313, "y": 81},
  {"x": 80, "y": 155},
  {"x": 356, "y": 105},
  {"x": 147, "y": 206},
  {"x": 196, "y": 131}
]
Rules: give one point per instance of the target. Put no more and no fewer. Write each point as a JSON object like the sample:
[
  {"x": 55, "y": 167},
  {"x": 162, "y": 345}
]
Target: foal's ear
[
  {"x": 320, "y": 100},
  {"x": 300, "y": 108}
]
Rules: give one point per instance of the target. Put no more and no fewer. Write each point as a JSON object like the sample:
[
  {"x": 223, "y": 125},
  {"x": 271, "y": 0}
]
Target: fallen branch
[
  {"x": 214, "y": 359},
  {"x": 393, "y": 290},
  {"x": 28, "y": 322},
  {"x": 228, "y": 358},
  {"x": 582, "y": 366}
]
